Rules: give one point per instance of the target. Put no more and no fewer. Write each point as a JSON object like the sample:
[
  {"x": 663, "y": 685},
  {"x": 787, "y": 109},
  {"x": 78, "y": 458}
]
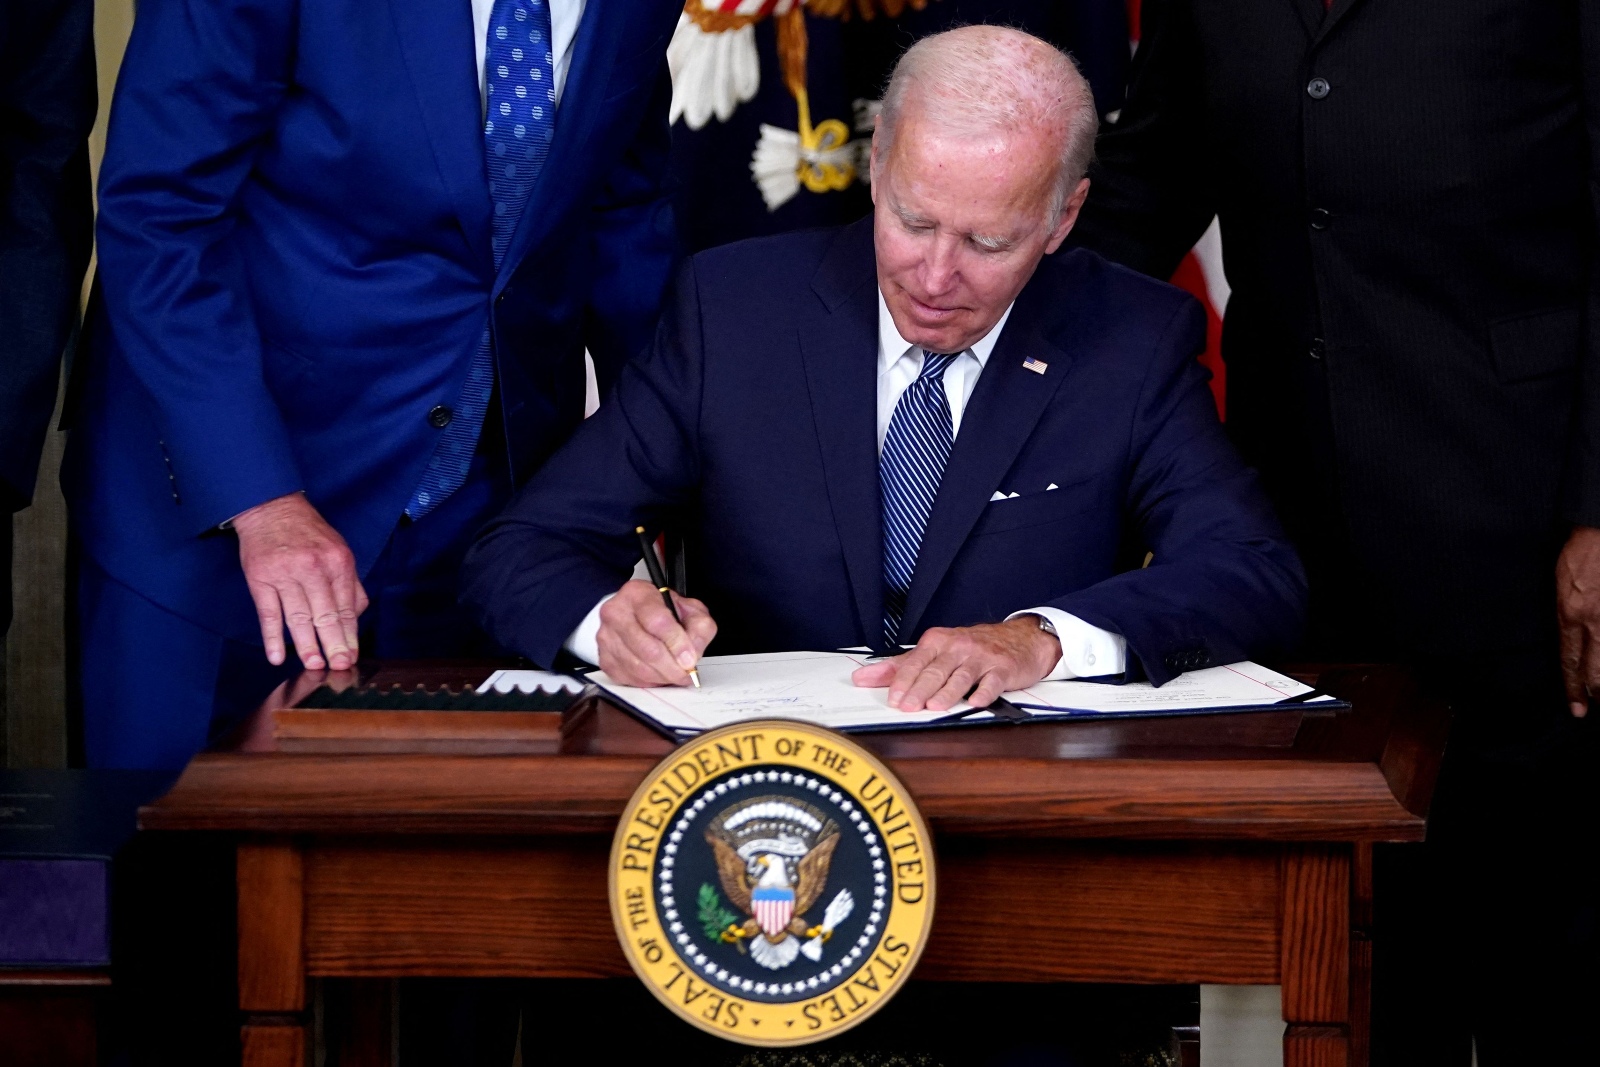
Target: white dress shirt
[
  {"x": 1086, "y": 650},
  {"x": 900, "y": 362},
  {"x": 564, "y": 18}
]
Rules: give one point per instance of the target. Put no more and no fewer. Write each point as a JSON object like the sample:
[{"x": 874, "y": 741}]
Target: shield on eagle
[{"x": 774, "y": 905}]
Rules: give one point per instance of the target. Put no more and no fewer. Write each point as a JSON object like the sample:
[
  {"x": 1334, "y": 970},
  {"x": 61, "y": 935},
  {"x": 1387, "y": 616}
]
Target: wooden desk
[
  {"x": 52, "y": 1018},
  {"x": 1232, "y": 849}
]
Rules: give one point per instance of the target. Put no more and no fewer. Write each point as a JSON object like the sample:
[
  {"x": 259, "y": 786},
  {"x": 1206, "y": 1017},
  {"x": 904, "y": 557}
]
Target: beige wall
[{"x": 34, "y": 720}]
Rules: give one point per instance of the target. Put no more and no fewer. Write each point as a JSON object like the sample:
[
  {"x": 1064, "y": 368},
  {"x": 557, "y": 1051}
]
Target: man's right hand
[
  {"x": 301, "y": 575},
  {"x": 640, "y": 642}
]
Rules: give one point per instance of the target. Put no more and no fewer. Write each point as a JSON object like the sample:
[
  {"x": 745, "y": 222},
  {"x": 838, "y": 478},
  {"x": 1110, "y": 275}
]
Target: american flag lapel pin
[{"x": 1038, "y": 366}]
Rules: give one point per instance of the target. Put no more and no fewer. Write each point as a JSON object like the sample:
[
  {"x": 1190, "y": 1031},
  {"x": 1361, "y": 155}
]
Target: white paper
[
  {"x": 813, "y": 687},
  {"x": 530, "y": 682},
  {"x": 1237, "y": 685}
]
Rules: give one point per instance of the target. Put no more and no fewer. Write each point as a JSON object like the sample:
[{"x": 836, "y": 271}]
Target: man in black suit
[
  {"x": 47, "y": 107},
  {"x": 1407, "y": 195}
]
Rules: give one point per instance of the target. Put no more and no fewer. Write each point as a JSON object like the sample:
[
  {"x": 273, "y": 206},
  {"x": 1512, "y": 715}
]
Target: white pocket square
[{"x": 1002, "y": 495}]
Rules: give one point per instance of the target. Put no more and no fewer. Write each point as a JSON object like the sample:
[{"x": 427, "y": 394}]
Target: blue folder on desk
[
  {"x": 817, "y": 687},
  {"x": 1233, "y": 687}
]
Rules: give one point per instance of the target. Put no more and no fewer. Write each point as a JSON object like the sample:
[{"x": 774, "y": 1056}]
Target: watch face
[{"x": 772, "y": 883}]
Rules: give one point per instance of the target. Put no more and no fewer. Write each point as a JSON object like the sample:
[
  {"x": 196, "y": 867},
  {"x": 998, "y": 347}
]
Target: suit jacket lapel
[
  {"x": 841, "y": 366},
  {"x": 1312, "y": 14},
  {"x": 1335, "y": 14},
  {"x": 436, "y": 41},
  {"x": 997, "y": 423},
  {"x": 593, "y": 54}
]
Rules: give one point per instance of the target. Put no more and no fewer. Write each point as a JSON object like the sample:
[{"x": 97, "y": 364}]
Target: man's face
[{"x": 959, "y": 226}]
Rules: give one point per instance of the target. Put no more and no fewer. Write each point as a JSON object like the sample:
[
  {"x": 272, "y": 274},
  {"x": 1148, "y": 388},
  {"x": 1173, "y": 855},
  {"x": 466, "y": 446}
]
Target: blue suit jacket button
[{"x": 440, "y": 416}]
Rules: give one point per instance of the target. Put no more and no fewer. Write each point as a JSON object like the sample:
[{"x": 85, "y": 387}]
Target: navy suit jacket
[
  {"x": 752, "y": 427},
  {"x": 295, "y": 257}
]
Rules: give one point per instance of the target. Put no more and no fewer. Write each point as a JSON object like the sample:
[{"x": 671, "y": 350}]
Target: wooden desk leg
[
  {"x": 1316, "y": 957},
  {"x": 272, "y": 969},
  {"x": 1361, "y": 955}
]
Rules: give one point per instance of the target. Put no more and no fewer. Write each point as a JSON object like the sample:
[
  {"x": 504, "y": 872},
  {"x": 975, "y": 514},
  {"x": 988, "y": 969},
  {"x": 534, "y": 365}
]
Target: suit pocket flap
[{"x": 1536, "y": 345}]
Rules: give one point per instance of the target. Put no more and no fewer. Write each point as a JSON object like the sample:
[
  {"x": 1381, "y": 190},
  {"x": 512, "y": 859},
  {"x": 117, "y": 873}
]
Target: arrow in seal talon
[{"x": 838, "y": 911}]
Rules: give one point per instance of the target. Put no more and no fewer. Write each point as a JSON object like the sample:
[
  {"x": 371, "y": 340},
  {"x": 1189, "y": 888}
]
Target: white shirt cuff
[
  {"x": 1086, "y": 651},
  {"x": 584, "y": 642}
]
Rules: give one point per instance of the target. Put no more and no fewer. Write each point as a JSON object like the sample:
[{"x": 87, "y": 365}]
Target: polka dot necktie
[
  {"x": 519, "y": 77},
  {"x": 519, "y": 71},
  {"x": 915, "y": 451}
]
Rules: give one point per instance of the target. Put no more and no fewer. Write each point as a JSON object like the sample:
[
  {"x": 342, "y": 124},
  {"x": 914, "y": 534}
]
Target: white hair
[{"x": 977, "y": 80}]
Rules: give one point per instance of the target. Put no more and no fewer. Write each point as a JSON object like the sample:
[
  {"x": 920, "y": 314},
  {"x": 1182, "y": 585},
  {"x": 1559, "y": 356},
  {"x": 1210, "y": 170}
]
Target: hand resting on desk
[
  {"x": 642, "y": 644},
  {"x": 947, "y": 664},
  {"x": 301, "y": 575}
]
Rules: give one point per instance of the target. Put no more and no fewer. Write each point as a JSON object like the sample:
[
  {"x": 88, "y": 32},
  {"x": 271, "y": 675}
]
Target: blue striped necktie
[
  {"x": 519, "y": 76},
  {"x": 915, "y": 451}
]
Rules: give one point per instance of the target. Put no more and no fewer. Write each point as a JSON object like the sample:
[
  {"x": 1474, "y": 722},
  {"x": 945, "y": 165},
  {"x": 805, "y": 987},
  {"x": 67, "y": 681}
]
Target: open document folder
[{"x": 815, "y": 687}]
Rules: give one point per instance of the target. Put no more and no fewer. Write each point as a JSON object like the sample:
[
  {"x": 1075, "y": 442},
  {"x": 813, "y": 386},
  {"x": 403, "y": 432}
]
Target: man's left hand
[
  {"x": 1578, "y": 606},
  {"x": 946, "y": 665}
]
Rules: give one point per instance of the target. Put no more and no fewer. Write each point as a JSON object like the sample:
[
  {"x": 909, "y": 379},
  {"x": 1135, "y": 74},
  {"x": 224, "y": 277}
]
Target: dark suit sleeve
[
  {"x": 1150, "y": 195},
  {"x": 196, "y": 100},
  {"x": 635, "y": 243},
  {"x": 1585, "y": 468},
  {"x": 47, "y": 108},
  {"x": 1224, "y": 583},
  {"x": 567, "y": 539}
]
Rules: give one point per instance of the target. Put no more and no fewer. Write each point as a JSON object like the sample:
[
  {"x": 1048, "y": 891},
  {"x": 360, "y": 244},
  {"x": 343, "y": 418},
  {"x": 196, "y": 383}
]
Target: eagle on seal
[{"x": 773, "y": 855}]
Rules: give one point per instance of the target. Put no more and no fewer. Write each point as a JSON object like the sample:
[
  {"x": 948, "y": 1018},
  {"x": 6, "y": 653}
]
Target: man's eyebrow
[
  {"x": 985, "y": 241},
  {"x": 991, "y": 244},
  {"x": 911, "y": 218}
]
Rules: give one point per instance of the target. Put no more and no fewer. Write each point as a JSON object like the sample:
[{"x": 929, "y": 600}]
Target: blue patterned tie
[
  {"x": 519, "y": 72},
  {"x": 915, "y": 451}
]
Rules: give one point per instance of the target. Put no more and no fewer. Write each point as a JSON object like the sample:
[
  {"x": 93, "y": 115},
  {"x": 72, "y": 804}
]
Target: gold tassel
[{"x": 792, "y": 45}]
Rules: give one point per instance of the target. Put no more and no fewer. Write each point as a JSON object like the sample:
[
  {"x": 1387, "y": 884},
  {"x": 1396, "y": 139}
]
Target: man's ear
[{"x": 1069, "y": 216}]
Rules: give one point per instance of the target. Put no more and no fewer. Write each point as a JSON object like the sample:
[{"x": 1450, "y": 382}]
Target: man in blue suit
[
  {"x": 914, "y": 429},
  {"x": 351, "y": 255}
]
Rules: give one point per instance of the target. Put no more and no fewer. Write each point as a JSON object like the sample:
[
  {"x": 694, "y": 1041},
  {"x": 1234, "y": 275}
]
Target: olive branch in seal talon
[{"x": 716, "y": 920}]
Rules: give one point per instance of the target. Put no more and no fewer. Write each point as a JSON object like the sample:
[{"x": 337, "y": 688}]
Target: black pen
[{"x": 658, "y": 577}]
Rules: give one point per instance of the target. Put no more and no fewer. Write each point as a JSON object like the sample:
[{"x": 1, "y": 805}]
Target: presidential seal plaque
[{"x": 772, "y": 883}]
